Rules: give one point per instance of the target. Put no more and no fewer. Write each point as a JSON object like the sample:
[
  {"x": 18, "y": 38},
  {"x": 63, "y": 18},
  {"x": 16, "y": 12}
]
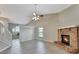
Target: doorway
[{"x": 15, "y": 32}]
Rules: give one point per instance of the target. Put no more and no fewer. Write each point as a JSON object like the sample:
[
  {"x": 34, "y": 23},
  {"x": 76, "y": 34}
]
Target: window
[
  {"x": 40, "y": 29},
  {"x": 17, "y": 29}
]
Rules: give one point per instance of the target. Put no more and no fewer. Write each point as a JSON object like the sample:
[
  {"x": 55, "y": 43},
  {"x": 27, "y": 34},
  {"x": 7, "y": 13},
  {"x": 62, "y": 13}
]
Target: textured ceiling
[{"x": 22, "y": 13}]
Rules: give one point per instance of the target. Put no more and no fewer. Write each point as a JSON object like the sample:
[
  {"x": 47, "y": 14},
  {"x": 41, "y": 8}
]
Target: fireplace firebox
[{"x": 65, "y": 39}]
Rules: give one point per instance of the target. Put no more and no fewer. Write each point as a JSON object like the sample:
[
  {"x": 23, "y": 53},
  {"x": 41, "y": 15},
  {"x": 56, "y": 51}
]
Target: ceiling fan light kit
[{"x": 35, "y": 15}]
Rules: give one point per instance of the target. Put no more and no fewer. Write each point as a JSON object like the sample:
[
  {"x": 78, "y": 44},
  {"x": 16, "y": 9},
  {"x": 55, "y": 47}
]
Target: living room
[
  {"x": 59, "y": 24},
  {"x": 43, "y": 29}
]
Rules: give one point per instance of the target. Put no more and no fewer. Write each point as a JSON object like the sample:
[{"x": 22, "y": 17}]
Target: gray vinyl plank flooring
[{"x": 33, "y": 47}]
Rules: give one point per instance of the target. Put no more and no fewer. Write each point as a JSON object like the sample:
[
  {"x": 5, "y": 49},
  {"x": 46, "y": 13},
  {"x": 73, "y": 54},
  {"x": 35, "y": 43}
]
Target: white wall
[
  {"x": 26, "y": 33},
  {"x": 50, "y": 24},
  {"x": 69, "y": 16}
]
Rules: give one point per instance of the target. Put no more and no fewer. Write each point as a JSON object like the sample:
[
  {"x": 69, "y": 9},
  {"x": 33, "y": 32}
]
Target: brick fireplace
[{"x": 68, "y": 39}]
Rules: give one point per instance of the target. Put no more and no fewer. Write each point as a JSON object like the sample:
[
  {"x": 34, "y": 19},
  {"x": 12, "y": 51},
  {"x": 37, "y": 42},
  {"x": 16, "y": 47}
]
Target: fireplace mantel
[{"x": 68, "y": 26}]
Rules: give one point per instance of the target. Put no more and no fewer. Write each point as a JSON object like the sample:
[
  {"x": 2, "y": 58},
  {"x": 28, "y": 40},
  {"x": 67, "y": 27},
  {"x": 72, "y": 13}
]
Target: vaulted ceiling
[{"x": 22, "y": 13}]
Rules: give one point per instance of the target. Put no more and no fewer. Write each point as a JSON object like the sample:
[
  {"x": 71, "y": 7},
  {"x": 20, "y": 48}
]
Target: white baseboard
[
  {"x": 25, "y": 40},
  {"x": 5, "y": 48},
  {"x": 45, "y": 40}
]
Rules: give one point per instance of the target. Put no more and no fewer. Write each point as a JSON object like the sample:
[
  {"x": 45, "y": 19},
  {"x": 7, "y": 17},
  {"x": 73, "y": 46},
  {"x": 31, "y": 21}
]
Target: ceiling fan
[{"x": 35, "y": 16}]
